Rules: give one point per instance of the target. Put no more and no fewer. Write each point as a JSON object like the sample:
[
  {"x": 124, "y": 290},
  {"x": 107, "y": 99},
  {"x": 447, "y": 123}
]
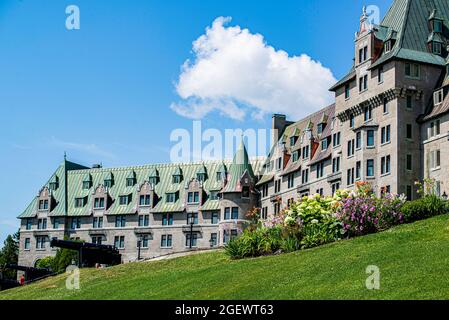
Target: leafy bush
[
  {"x": 46, "y": 263},
  {"x": 425, "y": 207}
]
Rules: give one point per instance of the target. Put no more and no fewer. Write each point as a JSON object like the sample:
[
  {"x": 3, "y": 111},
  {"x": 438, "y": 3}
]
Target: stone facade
[{"x": 389, "y": 126}]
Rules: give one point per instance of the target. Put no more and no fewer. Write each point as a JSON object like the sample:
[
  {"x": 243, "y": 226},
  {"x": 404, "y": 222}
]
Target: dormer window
[
  {"x": 201, "y": 177},
  {"x": 437, "y": 26},
  {"x": 80, "y": 202},
  {"x": 125, "y": 200},
  {"x": 153, "y": 180},
  {"x": 324, "y": 144},
  {"x": 245, "y": 192},
  {"x": 43, "y": 204},
  {"x": 387, "y": 46},
  {"x": 363, "y": 54},
  {"x": 436, "y": 48},
  {"x": 145, "y": 200},
  {"x": 438, "y": 97},
  {"x": 193, "y": 197},
  {"x": 320, "y": 128},
  {"x": 54, "y": 184},
  {"x": 170, "y": 197},
  {"x": 176, "y": 179},
  {"x": 99, "y": 203},
  {"x": 214, "y": 195},
  {"x": 131, "y": 179},
  {"x": 154, "y": 177},
  {"x": 293, "y": 141},
  {"x": 295, "y": 156}
]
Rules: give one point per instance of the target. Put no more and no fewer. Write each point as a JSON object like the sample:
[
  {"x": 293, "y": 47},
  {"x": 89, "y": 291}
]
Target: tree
[{"x": 10, "y": 254}]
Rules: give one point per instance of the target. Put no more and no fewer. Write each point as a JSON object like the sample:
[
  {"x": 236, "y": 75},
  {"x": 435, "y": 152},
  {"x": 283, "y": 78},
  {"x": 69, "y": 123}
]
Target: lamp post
[
  {"x": 192, "y": 222},
  {"x": 139, "y": 245},
  {"x": 445, "y": 197}
]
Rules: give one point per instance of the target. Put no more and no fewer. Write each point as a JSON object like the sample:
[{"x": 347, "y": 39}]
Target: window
[
  {"x": 412, "y": 70},
  {"x": 320, "y": 170},
  {"x": 347, "y": 91},
  {"x": 27, "y": 244},
  {"x": 336, "y": 165},
  {"x": 380, "y": 74},
  {"x": 409, "y": 164},
  {"x": 43, "y": 204},
  {"x": 409, "y": 103},
  {"x": 227, "y": 213},
  {"x": 167, "y": 241},
  {"x": 144, "y": 240},
  {"x": 213, "y": 240},
  {"x": 55, "y": 223},
  {"x": 29, "y": 224},
  {"x": 170, "y": 198},
  {"x": 76, "y": 223},
  {"x": 436, "y": 47},
  {"x": 438, "y": 97},
  {"x": 119, "y": 242},
  {"x": 409, "y": 134},
  {"x": 387, "y": 47},
  {"x": 153, "y": 180},
  {"x": 130, "y": 182},
  {"x": 265, "y": 191},
  {"x": 125, "y": 200},
  {"x": 351, "y": 148},
  {"x": 86, "y": 185},
  {"x": 193, "y": 197},
  {"x": 351, "y": 121},
  {"x": 80, "y": 202},
  {"x": 277, "y": 186},
  {"x": 214, "y": 195},
  {"x": 176, "y": 179},
  {"x": 385, "y": 167},
  {"x": 363, "y": 54},
  {"x": 191, "y": 240},
  {"x": 192, "y": 217},
  {"x": 120, "y": 221},
  {"x": 385, "y": 106},
  {"x": 291, "y": 181},
  {"x": 305, "y": 152},
  {"x": 370, "y": 138},
  {"x": 324, "y": 144},
  {"x": 278, "y": 163},
  {"x": 370, "y": 168},
  {"x": 99, "y": 203},
  {"x": 358, "y": 170},
  {"x": 295, "y": 156},
  {"x": 435, "y": 159},
  {"x": 335, "y": 187},
  {"x": 434, "y": 129},
  {"x": 350, "y": 177},
  {"x": 167, "y": 219},
  {"x": 235, "y": 213},
  {"x": 363, "y": 83},
  {"x": 97, "y": 240},
  {"x": 201, "y": 177},
  {"x": 305, "y": 176},
  {"x": 145, "y": 200},
  {"x": 358, "y": 140},
  {"x": 97, "y": 223},
  {"x": 368, "y": 113},
  {"x": 437, "y": 26},
  {"x": 264, "y": 214},
  {"x": 108, "y": 183},
  {"x": 42, "y": 224},
  {"x": 215, "y": 217},
  {"x": 336, "y": 139},
  {"x": 293, "y": 140},
  {"x": 41, "y": 243},
  {"x": 144, "y": 220},
  {"x": 320, "y": 128},
  {"x": 386, "y": 134}
]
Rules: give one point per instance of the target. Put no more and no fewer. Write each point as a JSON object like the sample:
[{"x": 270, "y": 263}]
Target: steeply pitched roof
[{"x": 238, "y": 167}]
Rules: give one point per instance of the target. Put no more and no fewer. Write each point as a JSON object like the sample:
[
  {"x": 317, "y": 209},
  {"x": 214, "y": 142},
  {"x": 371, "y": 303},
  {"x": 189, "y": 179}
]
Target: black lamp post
[
  {"x": 139, "y": 245},
  {"x": 192, "y": 222}
]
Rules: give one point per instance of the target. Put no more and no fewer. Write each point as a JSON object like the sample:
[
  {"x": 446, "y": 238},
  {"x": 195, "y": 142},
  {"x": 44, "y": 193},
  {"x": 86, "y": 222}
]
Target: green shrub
[
  {"x": 46, "y": 263},
  {"x": 425, "y": 207}
]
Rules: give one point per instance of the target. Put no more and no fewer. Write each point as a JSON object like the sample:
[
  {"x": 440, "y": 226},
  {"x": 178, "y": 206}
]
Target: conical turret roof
[{"x": 239, "y": 166}]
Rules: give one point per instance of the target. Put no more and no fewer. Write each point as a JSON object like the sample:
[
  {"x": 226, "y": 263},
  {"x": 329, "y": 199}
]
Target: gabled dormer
[
  {"x": 147, "y": 195},
  {"x": 201, "y": 174},
  {"x": 45, "y": 200},
  {"x": 54, "y": 183},
  {"x": 87, "y": 182},
  {"x": 131, "y": 179},
  {"x": 222, "y": 173},
  {"x": 177, "y": 176},
  {"x": 153, "y": 178},
  {"x": 108, "y": 181}
]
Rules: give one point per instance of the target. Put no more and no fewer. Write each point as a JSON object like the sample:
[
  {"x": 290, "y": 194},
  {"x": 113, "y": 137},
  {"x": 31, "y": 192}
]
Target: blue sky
[{"x": 103, "y": 93}]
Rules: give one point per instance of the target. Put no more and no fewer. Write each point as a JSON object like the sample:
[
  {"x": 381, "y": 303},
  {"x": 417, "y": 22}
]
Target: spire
[{"x": 237, "y": 169}]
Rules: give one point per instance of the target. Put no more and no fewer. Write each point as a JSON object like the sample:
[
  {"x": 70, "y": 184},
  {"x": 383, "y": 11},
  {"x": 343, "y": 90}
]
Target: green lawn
[{"x": 413, "y": 260}]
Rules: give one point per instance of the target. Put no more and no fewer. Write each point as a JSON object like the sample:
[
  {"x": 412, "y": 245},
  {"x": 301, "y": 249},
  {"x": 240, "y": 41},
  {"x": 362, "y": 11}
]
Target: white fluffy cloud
[{"x": 235, "y": 72}]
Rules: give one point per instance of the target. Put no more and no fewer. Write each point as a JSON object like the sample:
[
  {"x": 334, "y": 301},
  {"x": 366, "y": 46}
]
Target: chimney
[{"x": 279, "y": 123}]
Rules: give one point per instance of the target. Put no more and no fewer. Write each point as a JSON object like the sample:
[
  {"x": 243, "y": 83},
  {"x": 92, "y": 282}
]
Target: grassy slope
[{"x": 413, "y": 259}]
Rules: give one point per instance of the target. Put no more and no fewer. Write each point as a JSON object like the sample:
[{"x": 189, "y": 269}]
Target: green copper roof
[
  {"x": 239, "y": 166},
  {"x": 77, "y": 174}
]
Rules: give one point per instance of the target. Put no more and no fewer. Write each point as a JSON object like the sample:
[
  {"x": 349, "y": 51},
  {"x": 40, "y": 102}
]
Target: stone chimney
[{"x": 278, "y": 126}]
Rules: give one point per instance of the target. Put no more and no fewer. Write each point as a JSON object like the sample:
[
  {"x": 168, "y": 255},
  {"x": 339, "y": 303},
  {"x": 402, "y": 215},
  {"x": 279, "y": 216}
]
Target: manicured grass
[{"x": 413, "y": 261}]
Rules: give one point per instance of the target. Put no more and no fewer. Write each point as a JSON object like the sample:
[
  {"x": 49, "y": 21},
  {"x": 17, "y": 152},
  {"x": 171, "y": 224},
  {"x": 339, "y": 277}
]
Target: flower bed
[{"x": 313, "y": 221}]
